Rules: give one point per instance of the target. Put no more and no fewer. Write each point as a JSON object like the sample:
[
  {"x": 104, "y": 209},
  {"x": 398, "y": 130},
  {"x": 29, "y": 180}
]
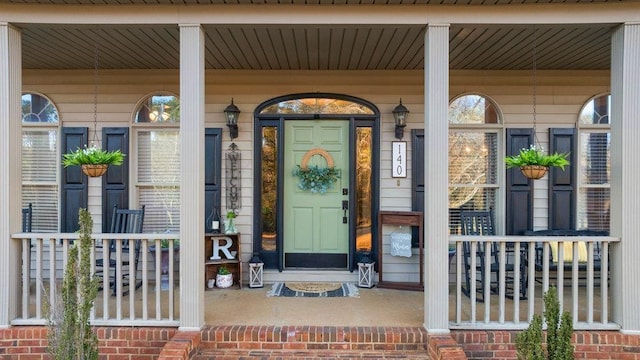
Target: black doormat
[{"x": 314, "y": 289}]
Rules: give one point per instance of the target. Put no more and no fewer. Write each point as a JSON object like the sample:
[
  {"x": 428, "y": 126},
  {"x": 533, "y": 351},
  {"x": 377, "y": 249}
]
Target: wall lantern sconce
[
  {"x": 400, "y": 114},
  {"x": 256, "y": 267},
  {"x": 231, "y": 113}
]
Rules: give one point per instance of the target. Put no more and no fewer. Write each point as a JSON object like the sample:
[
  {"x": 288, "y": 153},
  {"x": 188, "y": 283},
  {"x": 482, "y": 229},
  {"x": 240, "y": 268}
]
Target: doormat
[{"x": 314, "y": 289}]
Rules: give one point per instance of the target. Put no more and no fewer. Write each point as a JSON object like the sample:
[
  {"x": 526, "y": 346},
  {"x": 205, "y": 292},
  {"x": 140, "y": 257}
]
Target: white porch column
[
  {"x": 10, "y": 176},
  {"x": 625, "y": 197},
  {"x": 436, "y": 215},
  {"x": 192, "y": 179}
]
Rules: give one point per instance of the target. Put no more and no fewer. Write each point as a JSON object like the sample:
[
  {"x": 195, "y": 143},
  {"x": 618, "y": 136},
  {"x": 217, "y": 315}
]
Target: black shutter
[
  {"x": 417, "y": 177},
  {"x": 74, "y": 184},
  {"x": 212, "y": 174},
  {"x": 519, "y": 209},
  {"x": 115, "y": 185},
  {"x": 562, "y": 184}
]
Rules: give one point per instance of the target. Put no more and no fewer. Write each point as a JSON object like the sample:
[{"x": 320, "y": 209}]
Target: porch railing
[
  {"x": 144, "y": 303},
  {"x": 582, "y": 285}
]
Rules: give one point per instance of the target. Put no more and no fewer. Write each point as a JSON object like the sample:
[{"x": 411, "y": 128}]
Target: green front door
[{"x": 316, "y": 227}]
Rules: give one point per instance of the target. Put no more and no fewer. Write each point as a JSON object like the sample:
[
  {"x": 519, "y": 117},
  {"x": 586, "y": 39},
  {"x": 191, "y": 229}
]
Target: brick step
[
  {"x": 234, "y": 354},
  {"x": 312, "y": 342}
]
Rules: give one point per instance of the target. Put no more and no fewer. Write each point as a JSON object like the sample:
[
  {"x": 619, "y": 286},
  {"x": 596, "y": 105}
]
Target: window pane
[
  {"x": 597, "y": 111},
  {"x": 473, "y": 176},
  {"x": 364, "y": 192},
  {"x": 162, "y": 208},
  {"x": 594, "y": 159},
  {"x": 159, "y": 157},
  {"x": 317, "y": 106},
  {"x": 159, "y": 109},
  {"x": 473, "y": 157},
  {"x": 472, "y": 109},
  {"x": 44, "y": 199},
  {"x": 593, "y": 208},
  {"x": 39, "y": 155},
  {"x": 476, "y": 199},
  {"x": 159, "y": 179},
  {"x": 269, "y": 187},
  {"x": 38, "y": 109}
]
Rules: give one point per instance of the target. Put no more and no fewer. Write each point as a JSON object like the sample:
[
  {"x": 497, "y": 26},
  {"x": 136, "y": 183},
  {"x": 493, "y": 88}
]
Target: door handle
[{"x": 345, "y": 207}]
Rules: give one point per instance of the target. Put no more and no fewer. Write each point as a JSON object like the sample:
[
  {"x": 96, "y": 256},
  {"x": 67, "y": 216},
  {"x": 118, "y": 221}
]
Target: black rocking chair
[{"x": 123, "y": 221}]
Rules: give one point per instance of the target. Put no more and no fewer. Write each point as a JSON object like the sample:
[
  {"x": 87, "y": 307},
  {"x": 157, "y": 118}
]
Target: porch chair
[
  {"x": 27, "y": 218},
  {"x": 567, "y": 264},
  {"x": 123, "y": 221},
  {"x": 481, "y": 223}
]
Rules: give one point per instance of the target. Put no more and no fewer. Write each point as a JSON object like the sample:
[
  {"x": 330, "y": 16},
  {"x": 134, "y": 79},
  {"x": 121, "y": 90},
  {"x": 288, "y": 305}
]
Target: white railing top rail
[{"x": 532, "y": 239}]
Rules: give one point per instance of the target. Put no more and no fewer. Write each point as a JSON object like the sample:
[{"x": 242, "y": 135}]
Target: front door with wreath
[{"x": 316, "y": 171}]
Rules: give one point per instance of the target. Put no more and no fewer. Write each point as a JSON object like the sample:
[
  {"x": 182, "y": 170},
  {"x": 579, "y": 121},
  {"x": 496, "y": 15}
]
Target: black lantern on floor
[
  {"x": 232, "y": 113},
  {"x": 400, "y": 114}
]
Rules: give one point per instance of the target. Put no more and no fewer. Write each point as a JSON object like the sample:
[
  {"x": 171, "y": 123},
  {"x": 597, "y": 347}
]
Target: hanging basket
[
  {"x": 94, "y": 170},
  {"x": 534, "y": 171}
]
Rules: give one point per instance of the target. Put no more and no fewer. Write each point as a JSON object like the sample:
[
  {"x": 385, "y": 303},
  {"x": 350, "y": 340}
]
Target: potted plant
[
  {"x": 164, "y": 259},
  {"x": 94, "y": 161},
  {"x": 534, "y": 163},
  {"x": 230, "y": 223},
  {"x": 224, "y": 278}
]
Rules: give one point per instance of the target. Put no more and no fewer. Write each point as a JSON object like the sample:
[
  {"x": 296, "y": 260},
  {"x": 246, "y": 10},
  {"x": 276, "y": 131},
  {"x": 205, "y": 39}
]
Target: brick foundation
[
  {"x": 588, "y": 344},
  {"x": 30, "y": 342}
]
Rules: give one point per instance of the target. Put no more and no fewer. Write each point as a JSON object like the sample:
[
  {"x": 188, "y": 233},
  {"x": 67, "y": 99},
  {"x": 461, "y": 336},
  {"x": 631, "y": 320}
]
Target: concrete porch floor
[{"x": 374, "y": 307}]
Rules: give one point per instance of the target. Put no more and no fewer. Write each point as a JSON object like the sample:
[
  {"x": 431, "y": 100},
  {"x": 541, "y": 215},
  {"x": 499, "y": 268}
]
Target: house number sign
[{"x": 399, "y": 159}]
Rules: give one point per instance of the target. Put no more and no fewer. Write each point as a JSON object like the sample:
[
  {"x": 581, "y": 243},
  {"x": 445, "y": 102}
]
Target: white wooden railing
[
  {"x": 582, "y": 285},
  {"x": 115, "y": 305}
]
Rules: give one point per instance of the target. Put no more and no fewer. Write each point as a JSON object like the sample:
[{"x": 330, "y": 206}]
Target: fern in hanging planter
[
  {"x": 534, "y": 157},
  {"x": 92, "y": 156},
  {"x": 316, "y": 179}
]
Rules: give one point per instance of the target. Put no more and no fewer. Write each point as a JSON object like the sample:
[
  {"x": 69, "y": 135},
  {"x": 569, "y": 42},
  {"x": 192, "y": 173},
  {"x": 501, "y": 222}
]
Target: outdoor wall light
[
  {"x": 400, "y": 114},
  {"x": 231, "y": 113}
]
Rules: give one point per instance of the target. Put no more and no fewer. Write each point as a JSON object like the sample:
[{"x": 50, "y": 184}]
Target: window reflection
[
  {"x": 159, "y": 109},
  {"x": 269, "y": 186},
  {"x": 38, "y": 109},
  {"x": 363, "y": 193}
]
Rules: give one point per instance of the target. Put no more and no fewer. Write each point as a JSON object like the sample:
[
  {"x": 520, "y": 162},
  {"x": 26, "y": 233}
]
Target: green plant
[
  {"x": 93, "y": 156},
  {"x": 315, "y": 179},
  {"x": 559, "y": 332},
  {"x": 164, "y": 243},
  {"x": 231, "y": 214},
  {"x": 223, "y": 270},
  {"x": 70, "y": 334},
  {"x": 535, "y": 156}
]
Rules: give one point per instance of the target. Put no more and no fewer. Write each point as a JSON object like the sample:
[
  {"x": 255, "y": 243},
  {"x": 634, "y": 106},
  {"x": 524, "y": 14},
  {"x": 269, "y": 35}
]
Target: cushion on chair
[{"x": 568, "y": 251}]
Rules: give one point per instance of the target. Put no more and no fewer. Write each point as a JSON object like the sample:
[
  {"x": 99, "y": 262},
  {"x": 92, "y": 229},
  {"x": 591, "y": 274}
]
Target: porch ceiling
[
  {"x": 301, "y": 2},
  {"x": 316, "y": 47}
]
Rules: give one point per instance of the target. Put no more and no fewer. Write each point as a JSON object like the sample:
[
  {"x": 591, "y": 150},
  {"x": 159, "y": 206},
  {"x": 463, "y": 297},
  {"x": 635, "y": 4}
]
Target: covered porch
[{"x": 431, "y": 52}]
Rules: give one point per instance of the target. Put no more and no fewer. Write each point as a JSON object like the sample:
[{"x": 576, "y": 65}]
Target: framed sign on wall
[{"x": 399, "y": 159}]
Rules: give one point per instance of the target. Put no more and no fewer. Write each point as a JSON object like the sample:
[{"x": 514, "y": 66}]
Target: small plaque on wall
[{"x": 399, "y": 159}]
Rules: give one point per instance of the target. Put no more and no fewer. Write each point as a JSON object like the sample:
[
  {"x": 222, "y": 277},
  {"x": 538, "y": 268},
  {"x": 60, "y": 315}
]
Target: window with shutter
[
  {"x": 158, "y": 162},
  {"x": 474, "y": 128},
  {"x": 40, "y": 163},
  {"x": 594, "y": 164}
]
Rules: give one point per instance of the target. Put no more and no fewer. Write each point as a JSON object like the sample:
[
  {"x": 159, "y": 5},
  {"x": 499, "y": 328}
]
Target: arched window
[
  {"x": 40, "y": 160},
  {"x": 594, "y": 164},
  {"x": 158, "y": 161},
  {"x": 474, "y": 128}
]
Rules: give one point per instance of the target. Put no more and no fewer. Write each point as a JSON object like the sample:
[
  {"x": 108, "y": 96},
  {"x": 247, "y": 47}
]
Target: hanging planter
[
  {"x": 94, "y": 161},
  {"x": 534, "y": 171},
  {"x": 534, "y": 164},
  {"x": 94, "y": 170}
]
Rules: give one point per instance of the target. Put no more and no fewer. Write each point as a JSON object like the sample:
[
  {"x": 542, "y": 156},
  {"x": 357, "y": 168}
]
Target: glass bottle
[{"x": 215, "y": 221}]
